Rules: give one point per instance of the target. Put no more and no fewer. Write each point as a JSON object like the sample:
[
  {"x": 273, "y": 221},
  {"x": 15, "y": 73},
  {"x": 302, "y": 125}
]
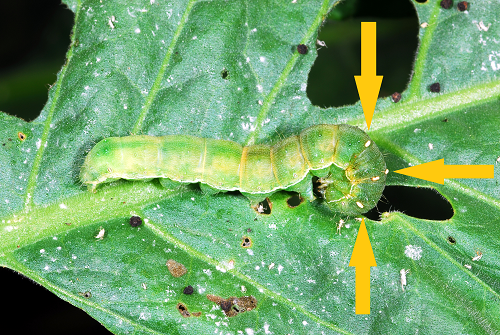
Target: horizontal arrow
[{"x": 437, "y": 172}]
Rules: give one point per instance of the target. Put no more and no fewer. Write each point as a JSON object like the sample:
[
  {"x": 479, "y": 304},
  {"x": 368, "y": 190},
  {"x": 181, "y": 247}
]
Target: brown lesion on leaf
[
  {"x": 233, "y": 306},
  {"x": 176, "y": 269},
  {"x": 264, "y": 207},
  {"x": 183, "y": 310},
  {"x": 294, "y": 201},
  {"x": 21, "y": 136},
  {"x": 246, "y": 242}
]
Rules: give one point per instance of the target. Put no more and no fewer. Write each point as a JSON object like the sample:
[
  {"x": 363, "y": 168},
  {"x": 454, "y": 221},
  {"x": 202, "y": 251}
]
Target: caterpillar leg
[
  {"x": 256, "y": 198},
  {"x": 304, "y": 188},
  {"x": 209, "y": 190},
  {"x": 170, "y": 184}
]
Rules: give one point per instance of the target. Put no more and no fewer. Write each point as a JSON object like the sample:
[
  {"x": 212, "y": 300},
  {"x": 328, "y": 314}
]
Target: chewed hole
[
  {"x": 246, "y": 242},
  {"x": 264, "y": 207},
  {"x": 224, "y": 74},
  {"x": 418, "y": 202},
  {"x": 330, "y": 81},
  {"x": 451, "y": 240},
  {"x": 294, "y": 201}
]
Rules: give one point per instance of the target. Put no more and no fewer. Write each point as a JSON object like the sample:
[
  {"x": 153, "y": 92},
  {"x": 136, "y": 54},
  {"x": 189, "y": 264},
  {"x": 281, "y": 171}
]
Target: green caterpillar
[{"x": 351, "y": 168}]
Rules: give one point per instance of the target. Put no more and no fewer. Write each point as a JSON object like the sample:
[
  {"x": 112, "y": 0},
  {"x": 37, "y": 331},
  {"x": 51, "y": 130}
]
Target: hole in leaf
[
  {"x": 294, "y": 201},
  {"x": 421, "y": 1},
  {"x": 224, "y": 74},
  {"x": 246, "y": 242},
  {"x": 183, "y": 310},
  {"x": 264, "y": 207},
  {"x": 451, "y": 240},
  {"x": 419, "y": 202},
  {"x": 331, "y": 81},
  {"x": 33, "y": 52}
]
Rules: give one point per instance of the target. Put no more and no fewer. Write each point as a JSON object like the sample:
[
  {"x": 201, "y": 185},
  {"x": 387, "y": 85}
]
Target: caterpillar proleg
[{"x": 350, "y": 166}]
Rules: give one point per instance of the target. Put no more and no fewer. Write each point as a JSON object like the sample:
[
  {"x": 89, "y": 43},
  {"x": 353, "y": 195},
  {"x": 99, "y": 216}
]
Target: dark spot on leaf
[
  {"x": 249, "y": 230},
  {"x": 225, "y": 74},
  {"x": 67, "y": 223},
  {"x": 10, "y": 140},
  {"x": 294, "y": 201},
  {"x": 419, "y": 202},
  {"x": 445, "y": 120},
  {"x": 87, "y": 294},
  {"x": 435, "y": 88},
  {"x": 302, "y": 49},
  {"x": 21, "y": 136},
  {"x": 396, "y": 96},
  {"x": 462, "y": 6},
  {"x": 264, "y": 207},
  {"x": 188, "y": 290},
  {"x": 246, "y": 242},
  {"x": 135, "y": 221},
  {"x": 446, "y": 3},
  {"x": 451, "y": 240}
]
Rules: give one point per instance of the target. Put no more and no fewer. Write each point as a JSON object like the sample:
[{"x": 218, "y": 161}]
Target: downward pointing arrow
[
  {"x": 368, "y": 83},
  {"x": 363, "y": 259}
]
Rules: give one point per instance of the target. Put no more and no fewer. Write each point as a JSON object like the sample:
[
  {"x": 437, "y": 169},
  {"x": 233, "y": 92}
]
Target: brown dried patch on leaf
[
  {"x": 176, "y": 269},
  {"x": 183, "y": 310},
  {"x": 233, "y": 306}
]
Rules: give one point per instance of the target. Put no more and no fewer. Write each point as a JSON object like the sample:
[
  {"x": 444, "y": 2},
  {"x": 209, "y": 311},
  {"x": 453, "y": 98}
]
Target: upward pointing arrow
[
  {"x": 368, "y": 82},
  {"x": 363, "y": 259}
]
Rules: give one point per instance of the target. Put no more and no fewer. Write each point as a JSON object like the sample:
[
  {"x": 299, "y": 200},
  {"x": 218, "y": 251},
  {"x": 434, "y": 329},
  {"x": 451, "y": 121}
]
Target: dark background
[{"x": 34, "y": 41}]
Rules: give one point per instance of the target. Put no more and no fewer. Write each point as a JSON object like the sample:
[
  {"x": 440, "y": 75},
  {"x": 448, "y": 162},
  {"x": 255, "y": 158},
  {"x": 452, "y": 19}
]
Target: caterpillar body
[{"x": 350, "y": 166}]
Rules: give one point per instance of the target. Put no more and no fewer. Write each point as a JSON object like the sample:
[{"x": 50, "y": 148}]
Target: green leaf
[{"x": 231, "y": 71}]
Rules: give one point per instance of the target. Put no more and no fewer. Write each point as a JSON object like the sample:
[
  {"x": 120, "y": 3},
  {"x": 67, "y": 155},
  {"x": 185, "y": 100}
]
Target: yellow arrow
[
  {"x": 436, "y": 171},
  {"x": 362, "y": 258},
  {"x": 368, "y": 83}
]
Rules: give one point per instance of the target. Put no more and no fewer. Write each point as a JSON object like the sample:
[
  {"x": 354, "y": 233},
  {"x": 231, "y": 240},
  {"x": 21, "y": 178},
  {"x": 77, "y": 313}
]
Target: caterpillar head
[
  {"x": 356, "y": 188},
  {"x": 96, "y": 167}
]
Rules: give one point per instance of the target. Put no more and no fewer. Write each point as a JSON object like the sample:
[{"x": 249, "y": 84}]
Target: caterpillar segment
[{"x": 350, "y": 167}]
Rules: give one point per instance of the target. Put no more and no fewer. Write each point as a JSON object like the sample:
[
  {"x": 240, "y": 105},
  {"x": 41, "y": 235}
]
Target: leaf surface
[{"x": 230, "y": 70}]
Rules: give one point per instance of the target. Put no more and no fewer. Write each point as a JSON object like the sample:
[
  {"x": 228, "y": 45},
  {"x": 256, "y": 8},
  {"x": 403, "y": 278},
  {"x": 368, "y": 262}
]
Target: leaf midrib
[{"x": 54, "y": 224}]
